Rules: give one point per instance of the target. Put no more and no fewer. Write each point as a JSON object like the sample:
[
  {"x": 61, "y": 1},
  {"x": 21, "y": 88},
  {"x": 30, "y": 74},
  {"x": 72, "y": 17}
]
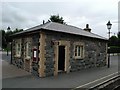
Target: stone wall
[
  {"x": 22, "y": 61},
  {"x": 49, "y": 57},
  {"x": 17, "y": 61},
  {"x": 95, "y": 52},
  {"x": 95, "y": 56},
  {"x": 35, "y": 44}
]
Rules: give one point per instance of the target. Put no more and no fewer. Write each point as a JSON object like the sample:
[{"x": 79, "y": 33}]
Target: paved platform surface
[
  {"x": 10, "y": 71},
  {"x": 70, "y": 80}
]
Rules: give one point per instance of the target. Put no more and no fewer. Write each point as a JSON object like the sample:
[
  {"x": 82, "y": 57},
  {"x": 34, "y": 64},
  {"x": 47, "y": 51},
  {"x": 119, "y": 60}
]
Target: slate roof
[{"x": 52, "y": 26}]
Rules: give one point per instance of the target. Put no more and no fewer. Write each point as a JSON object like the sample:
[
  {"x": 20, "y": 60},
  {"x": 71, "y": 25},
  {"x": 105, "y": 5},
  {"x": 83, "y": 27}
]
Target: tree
[
  {"x": 114, "y": 44},
  {"x": 118, "y": 38},
  {"x": 113, "y": 41},
  {"x": 118, "y": 34},
  {"x": 57, "y": 18},
  {"x": 9, "y": 32},
  {"x": 17, "y": 30},
  {"x": 6, "y": 36},
  {"x": 4, "y": 43}
]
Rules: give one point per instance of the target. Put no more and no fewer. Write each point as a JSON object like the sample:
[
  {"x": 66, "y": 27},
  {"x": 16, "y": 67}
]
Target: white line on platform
[
  {"x": 96, "y": 80},
  {"x": 105, "y": 81}
]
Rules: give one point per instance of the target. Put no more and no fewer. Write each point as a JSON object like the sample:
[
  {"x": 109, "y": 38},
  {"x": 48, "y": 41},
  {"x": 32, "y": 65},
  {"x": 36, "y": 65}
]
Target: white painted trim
[
  {"x": 79, "y": 44},
  {"x": 17, "y": 41}
]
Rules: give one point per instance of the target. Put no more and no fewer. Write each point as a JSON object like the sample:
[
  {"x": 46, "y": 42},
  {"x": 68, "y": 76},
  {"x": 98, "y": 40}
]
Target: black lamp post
[
  {"x": 109, "y": 27},
  {"x": 8, "y": 29}
]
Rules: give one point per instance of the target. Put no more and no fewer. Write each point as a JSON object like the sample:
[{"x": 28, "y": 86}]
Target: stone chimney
[{"x": 87, "y": 28}]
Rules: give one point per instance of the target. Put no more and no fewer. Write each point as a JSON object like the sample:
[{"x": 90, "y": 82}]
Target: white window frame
[
  {"x": 78, "y": 54},
  {"x": 27, "y": 50},
  {"x": 18, "y": 48}
]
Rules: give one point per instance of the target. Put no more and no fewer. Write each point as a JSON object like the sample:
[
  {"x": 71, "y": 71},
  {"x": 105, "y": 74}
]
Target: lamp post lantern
[{"x": 109, "y": 25}]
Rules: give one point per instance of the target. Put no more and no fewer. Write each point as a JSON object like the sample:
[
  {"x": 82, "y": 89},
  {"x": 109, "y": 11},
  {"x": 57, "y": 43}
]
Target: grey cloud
[{"x": 25, "y": 15}]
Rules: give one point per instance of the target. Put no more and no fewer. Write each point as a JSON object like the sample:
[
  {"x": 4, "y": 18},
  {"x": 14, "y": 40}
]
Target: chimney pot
[
  {"x": 43, "y": 21},
  {"x": 87, "y": 25},
  {"x": 87, "y": 28}
]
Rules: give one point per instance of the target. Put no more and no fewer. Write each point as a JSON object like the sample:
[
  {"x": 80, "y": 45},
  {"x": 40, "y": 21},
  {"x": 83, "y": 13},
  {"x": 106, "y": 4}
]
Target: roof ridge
[
  {"x": 38, "y": 26},
  {"x": 34, "y": 26}
]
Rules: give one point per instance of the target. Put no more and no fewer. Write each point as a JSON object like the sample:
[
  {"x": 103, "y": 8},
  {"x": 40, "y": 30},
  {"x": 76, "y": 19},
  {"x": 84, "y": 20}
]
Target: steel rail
[{"x": 105, "y": 83}]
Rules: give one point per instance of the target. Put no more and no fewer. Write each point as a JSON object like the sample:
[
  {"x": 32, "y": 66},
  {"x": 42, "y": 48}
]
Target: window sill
[
  {"x": 18, "y": 56},
  {"x": 27, "y": 58},
  {"x": 78, "y": 58}
]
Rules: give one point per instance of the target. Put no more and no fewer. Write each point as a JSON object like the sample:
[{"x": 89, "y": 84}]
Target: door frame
[{"x": 67, "y": 55}]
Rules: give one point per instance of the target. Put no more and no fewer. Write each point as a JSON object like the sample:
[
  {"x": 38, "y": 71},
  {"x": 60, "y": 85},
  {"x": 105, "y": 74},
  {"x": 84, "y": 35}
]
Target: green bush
[{"x": 114, "y": 49}]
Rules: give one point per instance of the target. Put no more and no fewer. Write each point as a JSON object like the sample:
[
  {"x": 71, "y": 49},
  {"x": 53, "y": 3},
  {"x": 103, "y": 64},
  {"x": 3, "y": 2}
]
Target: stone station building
[{"x": 51, "y": 48}]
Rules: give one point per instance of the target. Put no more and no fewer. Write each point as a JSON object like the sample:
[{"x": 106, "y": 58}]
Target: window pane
[
  {"x": 16, "y": 48},
  {"x": 29, "y": 50},
  {"x": 82, "y": 51},
  {"x": 26, "y": 46},
  {"x": 78, "y": 50},
  {"x": 75, "y": 50},
  {"x": 19, "y": 49}
]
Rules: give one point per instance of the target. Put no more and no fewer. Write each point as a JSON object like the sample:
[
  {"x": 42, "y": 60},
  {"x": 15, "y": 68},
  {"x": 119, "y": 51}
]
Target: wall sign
[{"x": 35, "y": 54}]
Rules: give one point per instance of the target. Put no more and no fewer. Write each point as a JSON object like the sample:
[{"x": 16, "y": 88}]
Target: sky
[{"x": 25, "y": 14}]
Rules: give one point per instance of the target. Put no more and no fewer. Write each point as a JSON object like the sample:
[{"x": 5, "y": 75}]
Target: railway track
[{"x": 110, "y": 84}]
